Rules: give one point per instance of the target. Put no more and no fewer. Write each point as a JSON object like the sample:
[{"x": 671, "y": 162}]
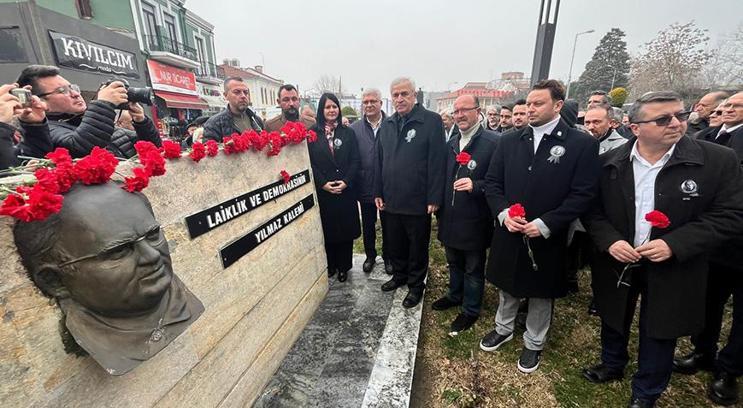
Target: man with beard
[
  {"x": 289, "y": 102},
  {"x": 465, "y": 223},
  {"x": 665, "y": 201},
  {"x": 492, "y": 117},
  {"x": 551, "y": 170},
  {"x": 519, "y": 117},
  {"x": 237, "y": 116},
  {"x": 409, "y": 186},
  {"x": 506, "y": 119},
  {"x": 366, "y": 130}
]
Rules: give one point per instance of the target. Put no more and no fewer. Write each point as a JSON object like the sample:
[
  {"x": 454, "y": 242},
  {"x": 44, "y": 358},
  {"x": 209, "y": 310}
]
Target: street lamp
[{"x": 570, "y": 73}]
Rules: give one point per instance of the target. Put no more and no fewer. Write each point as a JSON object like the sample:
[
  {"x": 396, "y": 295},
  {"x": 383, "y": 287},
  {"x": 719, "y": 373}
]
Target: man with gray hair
[
  {"x": 616, "y": 117},
  {"x": 366, "y": 130},
  {"x": 659, "y": 177},
  {"x": 449, "y": 126},
  {"x": 699, "y": 120},
  {"x": 409, "y": 186},
  {"x": 492, "y": 116}
]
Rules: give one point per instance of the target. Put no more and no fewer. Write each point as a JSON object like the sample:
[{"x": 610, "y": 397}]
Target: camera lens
[{"x": 140, "y": 95}]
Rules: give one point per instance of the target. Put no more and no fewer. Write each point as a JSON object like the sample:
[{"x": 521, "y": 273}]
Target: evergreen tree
[{"x": 610, "y": 63}]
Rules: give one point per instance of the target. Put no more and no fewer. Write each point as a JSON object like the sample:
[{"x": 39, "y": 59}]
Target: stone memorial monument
[{"x": 188, "y": 298}]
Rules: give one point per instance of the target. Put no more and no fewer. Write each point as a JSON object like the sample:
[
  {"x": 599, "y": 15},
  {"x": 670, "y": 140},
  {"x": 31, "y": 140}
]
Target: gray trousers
[{"x": 537, "y": 320}]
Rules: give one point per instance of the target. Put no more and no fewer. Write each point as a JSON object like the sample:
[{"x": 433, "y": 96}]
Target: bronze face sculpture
[{"x": 105, "y": 259}]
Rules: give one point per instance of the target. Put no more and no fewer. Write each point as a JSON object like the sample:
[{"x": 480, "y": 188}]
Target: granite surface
[{"x": 358, "y": 349}]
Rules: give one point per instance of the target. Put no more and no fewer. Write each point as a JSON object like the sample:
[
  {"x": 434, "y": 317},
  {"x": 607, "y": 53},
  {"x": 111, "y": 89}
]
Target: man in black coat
[
  {"x": 35, "y": 141},
  {"x": 77, "y": 126},
  {"x": 465, "y": 223},
  {"x": 699, "y": 187},
  {"x": 550, "y": 169},
  {"x": 725, "y": 280},
  {"x": 409, "y": 186},
  {"x": 366, "y": 130},
  {"x": 237, "y": 116},
  {"x": 703, "y": 110}
]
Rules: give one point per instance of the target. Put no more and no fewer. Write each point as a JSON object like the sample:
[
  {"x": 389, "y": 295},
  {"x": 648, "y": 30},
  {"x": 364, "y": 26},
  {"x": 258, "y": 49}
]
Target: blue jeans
[
  {"x": 466, "y": 278},
  {"x": 655, "y": 356}
]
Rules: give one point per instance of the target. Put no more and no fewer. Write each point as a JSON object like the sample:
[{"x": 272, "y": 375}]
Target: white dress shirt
[
  {"x": 645, "y": 175},
  {"x": 727, "y": 129}
]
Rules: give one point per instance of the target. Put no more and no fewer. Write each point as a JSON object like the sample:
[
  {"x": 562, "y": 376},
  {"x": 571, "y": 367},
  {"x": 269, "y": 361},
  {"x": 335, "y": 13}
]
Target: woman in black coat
[{"x": 335, "y": 162}]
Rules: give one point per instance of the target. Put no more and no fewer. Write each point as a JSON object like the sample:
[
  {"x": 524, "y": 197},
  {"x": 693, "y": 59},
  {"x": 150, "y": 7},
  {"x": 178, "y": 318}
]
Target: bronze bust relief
[{"x": 106, "y": 261}]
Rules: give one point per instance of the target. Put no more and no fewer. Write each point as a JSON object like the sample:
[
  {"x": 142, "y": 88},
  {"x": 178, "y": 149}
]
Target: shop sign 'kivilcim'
[
  {"x": 78, "y": 53},
  {"x": 171, "y": 79}
]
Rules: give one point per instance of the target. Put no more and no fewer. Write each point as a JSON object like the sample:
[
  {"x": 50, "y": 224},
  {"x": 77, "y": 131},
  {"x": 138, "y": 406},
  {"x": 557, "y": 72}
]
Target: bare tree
[
  {"x": 328, "y": 83},
  {"x": 673, "y": 60},
  {"x": 725, "y": 68}
]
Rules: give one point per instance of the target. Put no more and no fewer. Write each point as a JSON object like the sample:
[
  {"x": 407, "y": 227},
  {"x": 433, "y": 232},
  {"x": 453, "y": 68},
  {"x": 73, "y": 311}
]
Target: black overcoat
[
  {"x": 468, "y": 223},
  {"x": 339, "y": 213},
  {"x": 411, "y": 160},
  {"x": 557, "y": 191},
  {"x": 702, "y": 214}
]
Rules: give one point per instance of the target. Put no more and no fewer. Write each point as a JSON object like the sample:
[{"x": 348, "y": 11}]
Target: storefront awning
[
  {"x": 180, "y": 101},
  {"x": 214, "y": 102}
]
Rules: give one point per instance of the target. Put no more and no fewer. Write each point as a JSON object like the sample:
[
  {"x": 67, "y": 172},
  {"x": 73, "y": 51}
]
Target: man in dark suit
[
  {"x": 726, "y": 270},
  {"x": 409, "y": 186},
  {"x": 550, "y": 169},
  {"x": 703, "y": 109},
  {"x": 698, "y": 186},
  {"x": 465, "y": 223}
]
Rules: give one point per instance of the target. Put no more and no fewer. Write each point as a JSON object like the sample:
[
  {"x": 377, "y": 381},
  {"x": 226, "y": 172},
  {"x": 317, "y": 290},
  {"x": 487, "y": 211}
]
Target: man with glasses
[
  {"x": 465, "y": 223},
  {"x": 106, "y": 261},
  {"x": 726, "y": 269},
  {"x": 78, "y": 126},
  {"x": 699, "y": 120},
  {"x": 699, "y": 187},
  {"x": 289, "y": 102},
  {"x": 492, "y": 116},
  {"x": 366, "y": 130},
  {"x": 237, "y": 116}
]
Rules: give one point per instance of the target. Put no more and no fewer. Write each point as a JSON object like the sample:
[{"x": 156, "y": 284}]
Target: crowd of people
[{"x": 524, "y": 195}]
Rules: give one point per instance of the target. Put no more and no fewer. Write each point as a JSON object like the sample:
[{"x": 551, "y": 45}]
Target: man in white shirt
[{"x": 699, "y": 187}]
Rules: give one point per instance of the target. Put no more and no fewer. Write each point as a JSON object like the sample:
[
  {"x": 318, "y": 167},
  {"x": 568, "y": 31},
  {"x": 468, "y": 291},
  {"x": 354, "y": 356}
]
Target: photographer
[
  {"x": 32, "y": 119},
  {"x": 79, "y": 127},
  {"x": 132, "y": 126}
]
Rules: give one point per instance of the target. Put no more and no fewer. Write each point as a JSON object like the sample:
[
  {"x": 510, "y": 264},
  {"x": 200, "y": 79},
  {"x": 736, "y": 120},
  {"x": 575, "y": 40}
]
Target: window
[
  {"x": 84, "y": 9},
  {"x": 150, "y": 24},
  {"x": 171, "y": 33},
  {"x": 12, "y": 41},
  {"x": 201, "y": 54}
]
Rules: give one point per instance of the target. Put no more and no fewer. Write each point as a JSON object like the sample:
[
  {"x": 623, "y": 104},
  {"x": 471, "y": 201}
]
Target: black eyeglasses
[
  {"x": 65, "y": 90},
  {"x": 118, "y": 250},
  {"x": 716, "y": 112},
  {"x": 464, "y": 110},
  {"x": 665, "y": 120}
]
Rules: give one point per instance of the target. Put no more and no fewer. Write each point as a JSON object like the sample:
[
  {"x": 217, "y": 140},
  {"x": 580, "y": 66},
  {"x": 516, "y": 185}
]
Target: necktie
[{"x": 722, "y": 138}]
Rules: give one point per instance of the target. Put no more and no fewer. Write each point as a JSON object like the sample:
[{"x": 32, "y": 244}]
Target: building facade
[
  {"x": 264, "y": 89},
  {"x": 486, "y": 94}
]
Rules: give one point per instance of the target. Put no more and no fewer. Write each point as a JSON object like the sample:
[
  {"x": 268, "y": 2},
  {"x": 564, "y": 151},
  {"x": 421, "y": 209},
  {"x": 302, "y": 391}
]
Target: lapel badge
[
  {"x": 471, "y": 165},
  {"x": 410, "y": 136},
  {"x": 689, "y": 187},
  {"x": 555, "y": 153},
  {"x": 337, "y": 143},
  {"x": 559, "y": 133}
]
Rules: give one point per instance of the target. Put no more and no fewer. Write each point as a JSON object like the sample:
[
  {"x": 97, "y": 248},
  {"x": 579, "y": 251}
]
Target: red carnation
[
  {"x": 59, "y": 156},
  {"x": 153, "y": 162},
  {"x": 46, "y": 180},
  {"x": 31, "y": 204},
  {"x": 464, "y": 158},
  {"x": 517, "y": 210},
  {"x": 139, "y": 181},
  {"x": 657, "y": 219},
  {"x": 65, "y": 175},
  {"x": 171, "y": 149},
  {"x": 229, "y": 145},
  {"x": 212, "y": 148},
  {"x": 97, "y": 167},
  {"x": 198, "y": 152},
  {"x": 286, "y": 176},
  {"x": 143, "y": 147},
  {"x": 311, "y": 136},
  {"x": 276, "y": 143}
]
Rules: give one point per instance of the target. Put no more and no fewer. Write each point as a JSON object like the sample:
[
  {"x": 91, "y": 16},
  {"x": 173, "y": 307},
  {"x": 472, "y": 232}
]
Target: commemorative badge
[
  {"x": 555, "y": 153},
  {"x": 410, "y": 135},
  {"x": 689, "y": 187},
  {"x": 337, "y": 143},
  {"x": 471, "y": 165}
]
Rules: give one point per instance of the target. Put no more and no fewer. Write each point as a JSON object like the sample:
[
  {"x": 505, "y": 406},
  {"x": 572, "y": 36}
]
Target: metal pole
[
  {"x": 613, "y": 77},
  {"x": 572, "y": 59}
]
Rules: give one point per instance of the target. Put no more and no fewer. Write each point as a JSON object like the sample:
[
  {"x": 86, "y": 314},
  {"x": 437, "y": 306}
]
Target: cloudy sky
[{"x": 440, "y": 43}]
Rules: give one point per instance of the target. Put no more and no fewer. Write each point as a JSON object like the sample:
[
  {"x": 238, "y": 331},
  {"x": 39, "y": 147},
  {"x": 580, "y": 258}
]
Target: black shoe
[
  {"x": 368, "y": 264},
  {"x": 331, "y": 272},
  {"x": 723, "y": 389},
  {"x": 392, "y": 284},
  {"x": 444, "y": 303},
  {"x": 592, "y": 309},
  {"x": 342, "y": 276},
  {"x": 388, "y": 267},
  {"x": 529, "y": 360},
  {"x": 493, "y": 340},
  {"x": 693, "y": 362},
  {"x": 600, "y": 374},
  {"x": 640, "y": 403},
  {"x": 462, "y": 323},
  {"x": 413, "y": 297}
]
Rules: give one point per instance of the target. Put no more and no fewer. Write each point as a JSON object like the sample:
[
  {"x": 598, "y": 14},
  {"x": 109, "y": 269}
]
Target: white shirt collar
[
  {"x": 635, "y": 155},
  {"x": 730, "y": 129},
  {"x": 547, "y": 128}
]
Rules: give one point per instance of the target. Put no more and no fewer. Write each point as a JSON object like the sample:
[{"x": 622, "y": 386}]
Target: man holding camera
[
  {"x": 20, "y": 108},
  {"x": 79, "y": 127}
]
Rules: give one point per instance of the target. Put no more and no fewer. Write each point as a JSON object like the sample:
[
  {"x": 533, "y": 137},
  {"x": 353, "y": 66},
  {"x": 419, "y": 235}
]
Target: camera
[
  {"x": 23, "y": 95},
  {"x": 138, "y": 95}
]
